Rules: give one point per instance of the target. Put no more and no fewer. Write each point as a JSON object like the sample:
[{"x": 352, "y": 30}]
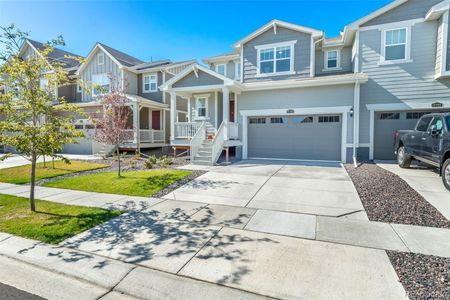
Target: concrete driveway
[
  {"x": 426, "y": 181},
  {"x": 300, "y": 187}
]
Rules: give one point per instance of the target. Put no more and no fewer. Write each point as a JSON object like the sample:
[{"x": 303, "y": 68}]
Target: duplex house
[
  {"x": 289, "y": 92},
  {"x": 140, "y": 80}
]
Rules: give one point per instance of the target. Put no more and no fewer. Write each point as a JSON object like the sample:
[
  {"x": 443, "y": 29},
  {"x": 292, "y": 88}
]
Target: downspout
[{"x": 356, "y": 122}]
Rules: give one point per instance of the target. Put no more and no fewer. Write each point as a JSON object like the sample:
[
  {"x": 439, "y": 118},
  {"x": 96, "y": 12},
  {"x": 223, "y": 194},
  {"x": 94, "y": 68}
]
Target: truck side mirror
[{"x": 433, "y": 130}]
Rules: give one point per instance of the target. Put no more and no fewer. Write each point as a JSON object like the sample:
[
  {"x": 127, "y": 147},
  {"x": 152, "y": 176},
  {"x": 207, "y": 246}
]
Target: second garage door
[
  {"x": 386, "y": 124},
  {"x": 313, "y": 137}
]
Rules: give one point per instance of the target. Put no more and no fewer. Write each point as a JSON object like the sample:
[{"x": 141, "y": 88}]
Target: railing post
[
  {"x": 226, "y": 109},
  {"x": 173, "y": 114}
]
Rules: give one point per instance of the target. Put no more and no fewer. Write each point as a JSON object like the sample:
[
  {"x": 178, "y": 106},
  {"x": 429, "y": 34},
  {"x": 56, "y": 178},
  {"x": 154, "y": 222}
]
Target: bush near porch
[
  {"x": 21, "y": 174},
  {"x": 135, "y": 183}
]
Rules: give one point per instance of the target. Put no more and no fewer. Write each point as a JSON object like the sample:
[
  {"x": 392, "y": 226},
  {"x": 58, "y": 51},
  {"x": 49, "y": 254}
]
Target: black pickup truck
[{"x": 429, "y": 142}]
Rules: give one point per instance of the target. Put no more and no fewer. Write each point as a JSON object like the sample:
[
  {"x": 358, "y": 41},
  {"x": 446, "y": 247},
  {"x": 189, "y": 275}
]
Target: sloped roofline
[
  {"x": 194, "y": 68},
  {"x": 91, "y": 54},
  {"x": 355, "y": 25},
  {"x": 273, "y": 24}
]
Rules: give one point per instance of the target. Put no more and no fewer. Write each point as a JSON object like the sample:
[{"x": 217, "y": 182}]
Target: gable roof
[
  {"x": 438, "y": 10},
  {"x": 274, "y": 24},
  {"x": 123, "y": 58},
  {"x": 376, "y": 13},
  {"x": 57, "y": 55}
]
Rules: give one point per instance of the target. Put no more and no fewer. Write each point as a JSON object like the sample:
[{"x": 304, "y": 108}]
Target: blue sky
[{"x": 178, "y": 30}]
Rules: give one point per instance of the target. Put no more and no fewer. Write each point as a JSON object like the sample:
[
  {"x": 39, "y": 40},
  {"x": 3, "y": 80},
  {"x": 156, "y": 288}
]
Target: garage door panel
[{"x": 309, "y": 141}]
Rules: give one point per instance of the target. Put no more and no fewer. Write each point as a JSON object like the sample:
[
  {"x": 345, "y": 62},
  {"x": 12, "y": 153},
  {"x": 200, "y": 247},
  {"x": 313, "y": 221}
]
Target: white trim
[
  {"x": 221, "y": 58},
  {"x": 407, "y": 58},
  {"x": 274, "y": 46},
  {"x": 235, "y": 108},
  {"x": 312, "y": 58},
  {"x": 242, "y": 64},
  {"x": 407, "y": 23},
  {"x": 355, "y": 25},
  {"x": 342, "y": 110},
  {"x": 200, "y": 88},
  {"x": 197, "y": 98},
  {"x": 91, "y": 55},
  {"x": 93, "y": 87},
  {"x": 224, "y": 68},
  {"x": 338, "y": 60},
  {"x": 149, "y": 76},
  {"x": 216, "y": 109},
  {"x": 100, "y": 58},
  {"x": 444, "y": 52},
  {"x": 438, "y": 10},
  {"x": 313, "y": 32},
  {"x": 371, "y": 134}
]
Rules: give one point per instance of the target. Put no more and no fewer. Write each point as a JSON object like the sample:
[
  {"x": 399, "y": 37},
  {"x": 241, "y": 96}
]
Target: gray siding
[
  {"x": 131, "y": 81},
  {"x": 156, "y": 96},
  {"x": 109, "y": 67},
  {"x": 346, "y": 62},
  {"x": 211, "y": 107},
  {"x": 412, "y": 9},
  {"x": 447, "y": 65},
  {"x": 202, "y": 79},
  {"x": 397, "y": 83},
  {"x": 301, "y": 53},
  {"x": 231, "y": 69}
]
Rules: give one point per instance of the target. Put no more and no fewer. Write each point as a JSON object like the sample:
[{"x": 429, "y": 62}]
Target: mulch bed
[
  {"x": 423, "y": 276},
  {"x": 387, "y": 198}
]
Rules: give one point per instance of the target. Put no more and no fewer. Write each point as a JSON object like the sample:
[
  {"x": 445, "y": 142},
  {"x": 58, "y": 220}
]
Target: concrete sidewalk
[{"x": 17, "y": 160}]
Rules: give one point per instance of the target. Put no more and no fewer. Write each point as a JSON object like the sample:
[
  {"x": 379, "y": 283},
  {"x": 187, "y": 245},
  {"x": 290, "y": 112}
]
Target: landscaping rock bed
[
  {"x": 387, "y": 198},
  {"x": 422, "y": 276}
]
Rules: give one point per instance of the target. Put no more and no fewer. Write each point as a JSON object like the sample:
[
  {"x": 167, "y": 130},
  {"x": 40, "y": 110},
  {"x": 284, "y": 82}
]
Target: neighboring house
[
  {"x": 288, "y": 92},
  {"x": 140, "y": 80}
]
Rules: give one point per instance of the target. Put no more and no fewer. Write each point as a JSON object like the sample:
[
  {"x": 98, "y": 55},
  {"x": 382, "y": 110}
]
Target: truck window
[
  {"x": 447, "y": 121},
  {"x": 438, "y": 122},
  {"x": 423, "y": 124}
]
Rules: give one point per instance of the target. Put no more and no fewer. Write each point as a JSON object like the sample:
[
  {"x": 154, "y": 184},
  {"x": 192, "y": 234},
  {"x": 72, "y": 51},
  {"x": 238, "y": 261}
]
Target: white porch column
[
  {"x": 226, "y": 109},
  {"x": 173, "y": 114},
  {"x": 189, "y": 109},
  {"x": 136, "y": 124}
]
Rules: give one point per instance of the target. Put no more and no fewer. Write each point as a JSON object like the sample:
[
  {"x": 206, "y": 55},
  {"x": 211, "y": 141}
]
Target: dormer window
[
  {"x": 332, "y": 60},
  {"x": 275, "y": 59},
  {"x": 221, "y": 69},
  {"x": 100, "y": 59}
]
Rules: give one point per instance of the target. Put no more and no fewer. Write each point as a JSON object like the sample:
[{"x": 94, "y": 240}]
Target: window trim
[
  {"x": 79, "y": 89},
  {"x": 224, "y": 68},
  {"x": 93, "y": 88},
  {"x": 407, "y": 58},
  {"x": 102, "y": 55},
  {"x": 338, "y": 60},
  {"x": 197, "y": 100},
  {"x": 144, "y": 90},
  {"x": 259, "y": 48}
]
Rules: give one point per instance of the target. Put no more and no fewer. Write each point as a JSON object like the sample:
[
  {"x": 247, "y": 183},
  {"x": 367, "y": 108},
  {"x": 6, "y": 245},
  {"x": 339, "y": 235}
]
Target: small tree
[
  {"x": 33, "y": 120},
  {"x": 112, "y": 126}
]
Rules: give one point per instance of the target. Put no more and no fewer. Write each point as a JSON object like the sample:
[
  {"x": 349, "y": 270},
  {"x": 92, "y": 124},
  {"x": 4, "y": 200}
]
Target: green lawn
[
  {"x": 21, "y": 175},
  {"x": 136, "y": 183},
  {"x": 52, "y": 222}
]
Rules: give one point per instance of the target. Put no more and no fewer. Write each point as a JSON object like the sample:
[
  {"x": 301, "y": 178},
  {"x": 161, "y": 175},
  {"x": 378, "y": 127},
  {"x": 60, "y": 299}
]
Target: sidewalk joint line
[
  {"x": 265, "y": 182},
  {"x": 113, "y": 288},
  {"x": 400, "y": 238}
]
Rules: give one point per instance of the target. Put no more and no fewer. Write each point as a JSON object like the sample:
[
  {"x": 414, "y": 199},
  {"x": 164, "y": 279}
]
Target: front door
[
  {"x": 232, "y": 111},
  {"x": 156, "y": 120}
]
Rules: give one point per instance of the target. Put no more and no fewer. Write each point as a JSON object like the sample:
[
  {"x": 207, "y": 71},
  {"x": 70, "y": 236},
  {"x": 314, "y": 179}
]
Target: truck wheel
[
  {"x": 403, "y": 159},
  {"x": 446, "y": 174}
]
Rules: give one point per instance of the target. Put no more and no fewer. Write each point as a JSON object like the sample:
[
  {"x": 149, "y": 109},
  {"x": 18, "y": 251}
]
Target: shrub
[
  {"x": 166, "y": 161},
  {"x": 151, "y": 162}
]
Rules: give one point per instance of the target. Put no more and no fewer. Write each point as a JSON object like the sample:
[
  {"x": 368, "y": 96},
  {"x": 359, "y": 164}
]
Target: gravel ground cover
[
  {"x": 422, "y": 276},
  {"x": 387, "y": 198}
]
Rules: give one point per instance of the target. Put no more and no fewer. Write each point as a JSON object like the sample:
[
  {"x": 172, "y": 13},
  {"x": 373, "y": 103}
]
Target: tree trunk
[
  {"x": 118, "y": 158},
  {"x": 33, "y": 181}
]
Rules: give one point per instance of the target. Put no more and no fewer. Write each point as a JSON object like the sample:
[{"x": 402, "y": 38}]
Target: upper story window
[
  {"x": 150, "y": 83},
  {"x": 396, "y": 45},
  {"x": 100, "y": 58},
  {"x": 332, "y": 59},
  {"x": 275, "y": 59},
  {"x": 43, "y": 84},
  {"x": 100, "y": 84},
  {"x": 221, "y": 69},
  {"x": 237, "y": 72}
]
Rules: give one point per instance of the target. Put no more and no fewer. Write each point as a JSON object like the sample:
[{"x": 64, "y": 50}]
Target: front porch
[
  {"x": 147, "y": 124},
  {"x": 211, "y": 122}
]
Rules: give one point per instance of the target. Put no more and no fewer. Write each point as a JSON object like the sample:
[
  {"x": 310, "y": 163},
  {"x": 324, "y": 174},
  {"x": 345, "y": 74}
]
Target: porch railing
[
  {"x": 197, "y": 140},
  {"x": 151, "y": 136},
  {"x": 233, "y": 131},
  {"x": 219, "y": 142},
  {"x": 186, "y": 130}
]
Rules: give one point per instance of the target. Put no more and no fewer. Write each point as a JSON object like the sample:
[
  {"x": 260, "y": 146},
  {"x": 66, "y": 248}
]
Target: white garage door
[{"x": 310, "y": 137}]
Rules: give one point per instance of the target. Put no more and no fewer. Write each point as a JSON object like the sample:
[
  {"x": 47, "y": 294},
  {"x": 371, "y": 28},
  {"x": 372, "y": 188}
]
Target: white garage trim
[
  {"x": 372, "y": 108},
  {"x": 342, "y": 110}
]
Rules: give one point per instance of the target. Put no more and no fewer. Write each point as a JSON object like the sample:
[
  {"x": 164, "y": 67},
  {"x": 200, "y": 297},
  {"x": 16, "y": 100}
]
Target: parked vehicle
[{"x": 429, "y": 142}]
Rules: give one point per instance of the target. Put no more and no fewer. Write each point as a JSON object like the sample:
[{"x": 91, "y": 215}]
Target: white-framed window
[
  {"x": 237, "y": 71},
  {"x": 79, "y": 89},
  {"x": 221, "y": 69},
  {"x": 275, "y": 59},
  {"x": 100, "y": 58},
  {"x": 396, "y": 45},
  {"x": 332, "y": 59},
  {"x": 150, "y": 83},
  {"x": 201, "y": 107},
  {"x": 43, "y": 84},
  {"x": 100, "y": 84}
]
